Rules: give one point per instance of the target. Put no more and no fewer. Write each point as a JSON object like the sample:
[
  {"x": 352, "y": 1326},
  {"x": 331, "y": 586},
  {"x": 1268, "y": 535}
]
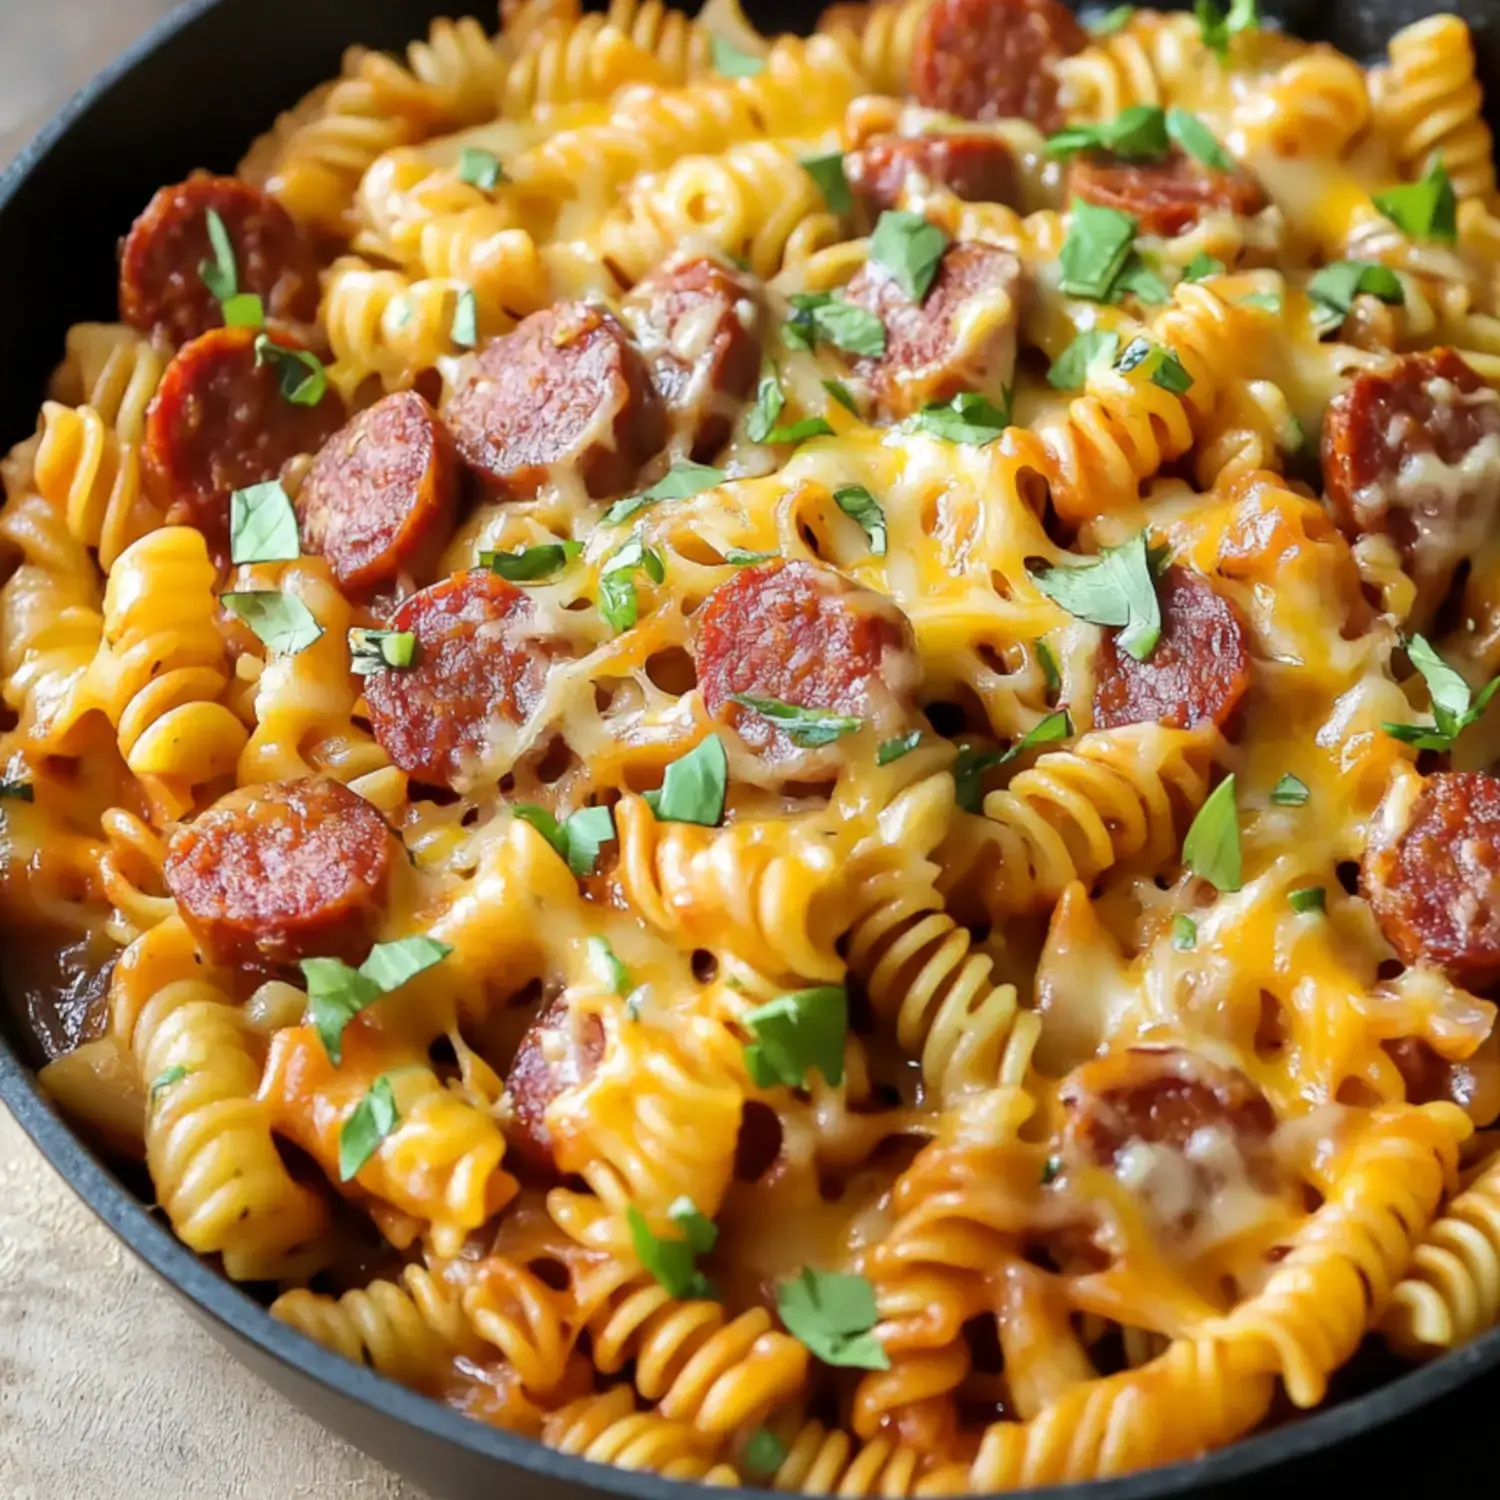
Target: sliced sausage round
[
  {"x": 566, "y": 389},
  {"x": 696, "y": 324},
  {"x": 802, "y": 634},
  {"x": 1431, "y": 871},
  {"x": 560, "y": 1050},
  {"x": 976, "y": 168},
  {"x": 960, "y": 337},
  {"x": 1167, "y": 197},
  {"x": 288, "y": 870},
  {"x": 994, "y": 59},
  {"x": 1197, "y": 673},
  {"x": 379, "y": 498},
  {"x": 162, "y": 289},
  {"x": 477, "y": 663},
  {"x": 1413, "y": 450},
  {"x": 219, "y": 422}
]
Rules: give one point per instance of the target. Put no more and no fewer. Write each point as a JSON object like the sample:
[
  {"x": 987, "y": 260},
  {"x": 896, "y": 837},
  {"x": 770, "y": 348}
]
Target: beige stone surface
[{"x": 108, "y": 1390}]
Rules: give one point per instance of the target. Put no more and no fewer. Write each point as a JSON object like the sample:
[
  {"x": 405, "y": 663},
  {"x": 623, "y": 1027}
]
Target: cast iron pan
[{"x": 193, "y": 93}]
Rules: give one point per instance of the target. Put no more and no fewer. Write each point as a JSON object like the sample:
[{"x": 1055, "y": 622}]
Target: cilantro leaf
[
  {"x": 833, "y": 1316},
  {"x": 798, "y": 1032},
  {"x": 820, "y": 317},
  {"x": 910, "y": 248},
  {"x": 1116, "y": 589},
  {"x": 673, "y": 1261}
]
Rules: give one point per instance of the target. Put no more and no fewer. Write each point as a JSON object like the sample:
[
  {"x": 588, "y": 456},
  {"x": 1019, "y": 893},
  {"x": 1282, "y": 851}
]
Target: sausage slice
[
  {"x": 1167, "y": 197},
  {"x": 477, "y": 662},
  {"x": 161, "y": 288},
  {"x": 994, "y": 59},
  {"x": 696, "y": 324},
  {"x": 559, "y": 1051},
  {"x": 567, "y": 390},
  {"x": 1413, "y": 450},
  {"x": 960, "y": 337},
  {"x": 1431, "y": 871},
  {"x": 219, "y": 422},
  {"x": 379, "y": 498},
  {"x": 1196, "y": 675},
  {"x": 803, "y": 634},
  {"x": 973, "y": 167},
  {"x": 288, "y": 870}
]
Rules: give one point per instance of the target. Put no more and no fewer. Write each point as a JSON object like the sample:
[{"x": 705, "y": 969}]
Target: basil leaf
[
  {"x": 380, "y": 650},
  {"x": 1184, "y": 934},
  {"x": 672, "y": 1262},
  {"x": 480, "y": 168},
  {"x": 617, "y": 599},
  {"x": 18, "y": 791},
  {"x": 1160, "y": 364},
  {"x": 1310, "y": 898},
  {"x": 1202, "y": 266},
  {"x": 578, "y": 839},
  {"x": 304, "y": 381},
  {"x": 1138, "y": 280},
  {"x": 220, "y": 275},
  {"x": 244, "y": 311},
  {"x": 1070, "y": 368},
  {"x": 967, "y": 418},
  {"x": 972, "y": 765},
  {"x": 528, "y": 564},
  {"x": 808, "y": 727},
  {"x": 1095, "y": 249},
  {"x": 262, "y": 525},
  {"x": 1269, "y": 301},
  {"x": 336, "y": 993},
  {"x": 764, "y": 1454},
  {"x": 833, "y": 1317},
  {"x": 1289, "y": 792},
  {"x": 762, "y": 427},
  {"x": 1335, "y": 287},
  {"x": 1198, "y": 140},
  {"x": 840, "y": 392},
  {"x": 1117, "y": 589},
  {"x": 1112, "y": 20},
  {"x": 828, "y": 172},
  {"x": 681, "y": 482},
  {"x": 821, "y": 317},
  {"x": 607, "y": 968},
  {"x": 692, "y": 790},
  {"x": 1453, "y": 706},
  {"x": 1426, "y": 210},
  {"x": 1217, "y": 29},
  {"x": 893, "y": 749},
  {"x": 465, "y": 329},
  {"x": 730, "y": 62},
  {"x": 740, "y": 558},
  {"x": 1211, "y": 849},
  {"x": 165, "y": 1079},
  {"x": 909, "y": 248},
  {"x": 282, "y": 621},
  {"x": 1051, "y": 1170},
  {"x": 860, "y": 505},
  {"x": 373, "y": 1119},
  {"x": 795, "y": 1033},
  {"x": 1136, "y": 134},
  {"x": 1048, "y": 664}
]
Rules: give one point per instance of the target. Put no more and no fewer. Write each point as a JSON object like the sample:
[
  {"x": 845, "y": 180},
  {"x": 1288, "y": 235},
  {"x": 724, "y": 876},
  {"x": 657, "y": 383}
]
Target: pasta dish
[{"x": 767, "y": 755}]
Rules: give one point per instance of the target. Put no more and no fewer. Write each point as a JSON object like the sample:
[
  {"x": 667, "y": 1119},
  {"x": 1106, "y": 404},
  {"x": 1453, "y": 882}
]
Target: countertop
[{"x": 108, "y": 1390}]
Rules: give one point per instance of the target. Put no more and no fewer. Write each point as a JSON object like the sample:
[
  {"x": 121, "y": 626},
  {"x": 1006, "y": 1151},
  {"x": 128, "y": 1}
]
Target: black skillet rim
[{"x": 224, "y": 1303}]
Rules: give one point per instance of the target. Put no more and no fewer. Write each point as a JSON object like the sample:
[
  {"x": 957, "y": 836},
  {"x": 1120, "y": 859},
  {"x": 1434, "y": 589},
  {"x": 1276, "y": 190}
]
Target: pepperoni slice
[
  {"x": 805, "y": 635},
  {"x": 565, "y": 389},
  {"x": 976, "y": 168},
  {"x": 161, "y": 288},
  {"x": 219, "y": 423},
  {"x": 1413, "y": 450},
  {"x": 696, "y": 325},
  {"x": 559, "y": 1051},
  {"x": 1161, "y": 1096},
  {"x": 960, "y": 337},
  {"x": 993, "y": 59},
  {"x": 476, "y": 663},
  {"x": 1196, "y": 675},
  {"x": 379, "y": 498},
  {"x": 1167, "y": 197},
  {"x": 1432, "y": 873},
  {"x": 288, "y": 870}
]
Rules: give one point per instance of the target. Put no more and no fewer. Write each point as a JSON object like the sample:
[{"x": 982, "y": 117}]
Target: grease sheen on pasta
[{"x": 797, "y": 792}]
